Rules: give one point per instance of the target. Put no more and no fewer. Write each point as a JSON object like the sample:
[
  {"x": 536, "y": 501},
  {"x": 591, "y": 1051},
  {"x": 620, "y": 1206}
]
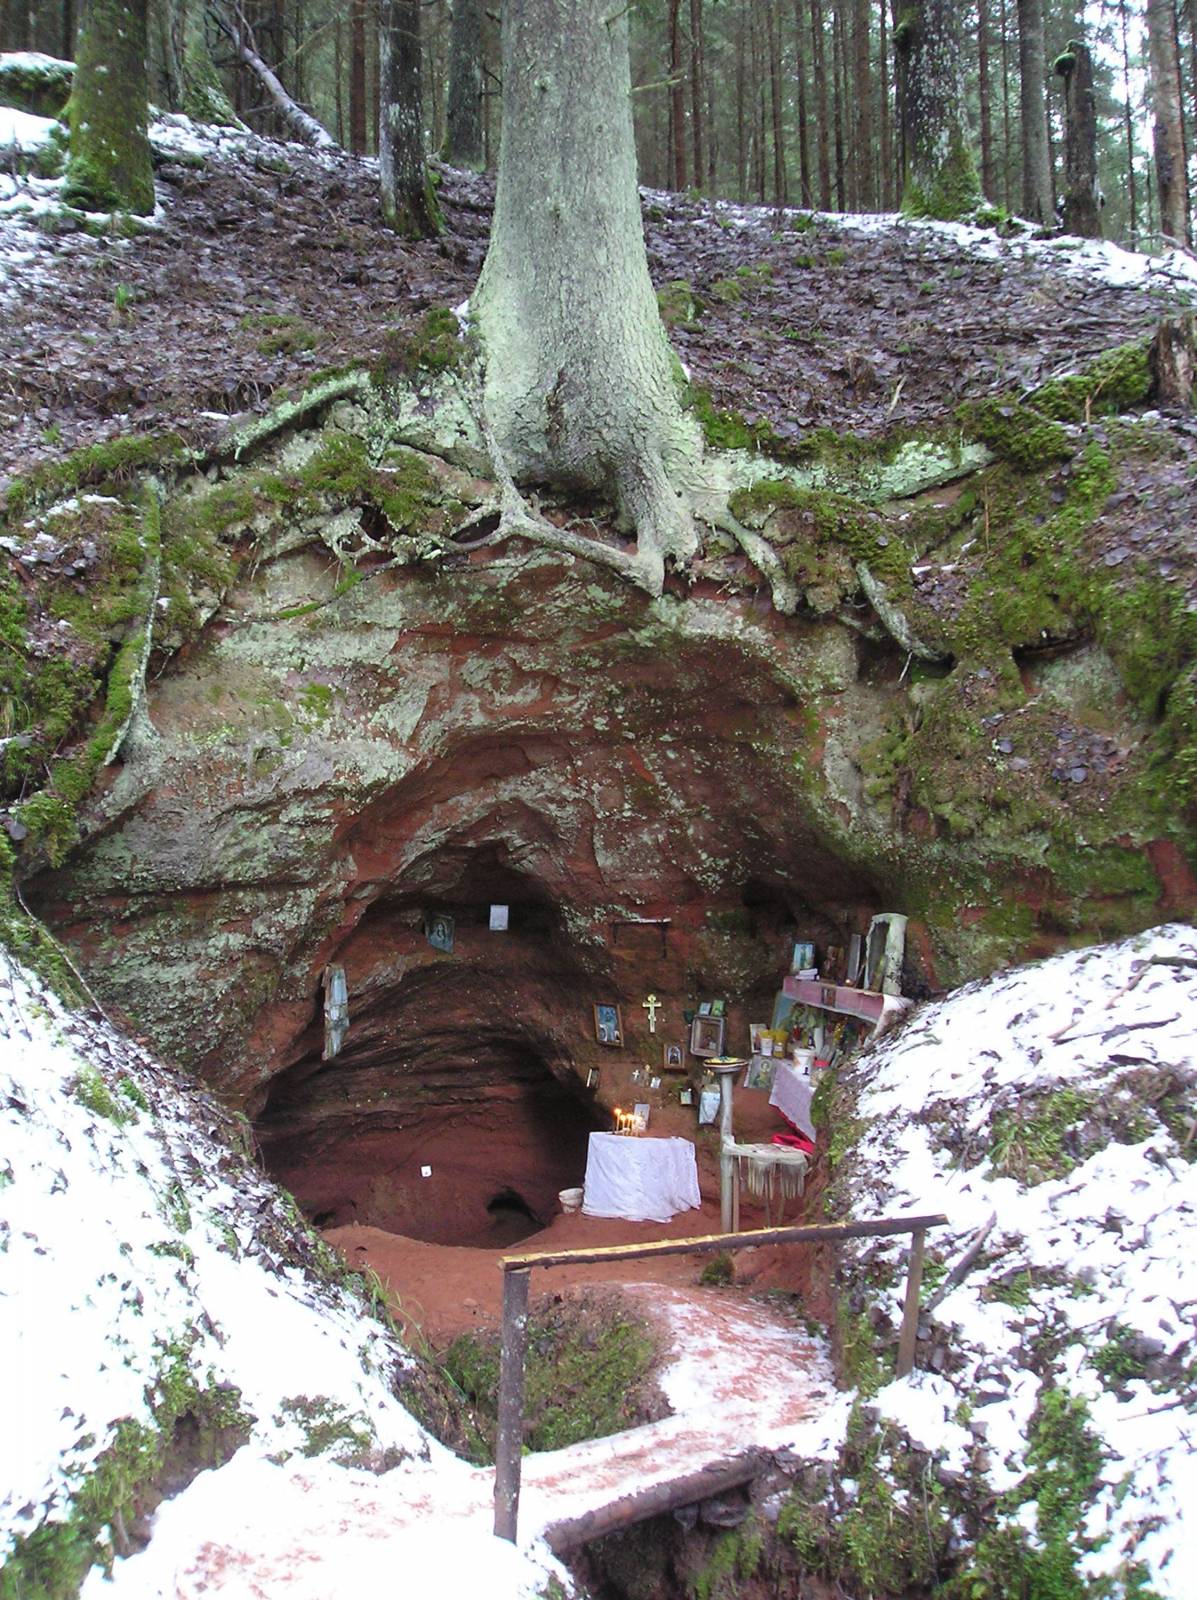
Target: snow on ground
[
  {"x": 1051, "y": 1099},
  {"x": 134, "y": 1243},
  {"x": 1099, "y": 260},
  {"x": 22, "y": 131}
]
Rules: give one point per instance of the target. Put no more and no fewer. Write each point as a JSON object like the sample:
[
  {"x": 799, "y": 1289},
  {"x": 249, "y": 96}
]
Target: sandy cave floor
[{"x": 445, "y": 1290}]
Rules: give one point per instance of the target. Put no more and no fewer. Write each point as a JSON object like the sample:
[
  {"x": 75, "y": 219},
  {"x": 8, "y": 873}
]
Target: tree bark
[
  {"x": 885, "y": 177},
  {"x": 1082, "y": 201},
  {"x": 780, "y": 180},
  {"x": 464, "y": 143},
  {"x": 862, "y": 138},
  {"x": 110, "y": 166},
  {"x": 1168, "y": 132},
  {"x": 804, "y": 172},
  {"x": 843, "y": 199},
  {"x": 822, "y": 117},
  {"x": 1128, "y": 127},
  {"x": 1007, "y": 160},
  {"x": 408, "y": 202},
  {"x": 357, "y": 77},
  {"x": 1032, "y": 71},
  {"x": 939, "y": 176},
  {"x": 696, "y": 77},
  {"x": 677, "y": 97},
  {"x": 579, "y": 382},
  {"x": 983, "y": 93},
  {"x": 301, "y": 124},
  {"x": 195, "y": 81}
]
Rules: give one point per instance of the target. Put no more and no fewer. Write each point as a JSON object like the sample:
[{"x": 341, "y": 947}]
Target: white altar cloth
[
  {"x": 792, "y": 1092},
  {"x": 642, "y": 1180}
]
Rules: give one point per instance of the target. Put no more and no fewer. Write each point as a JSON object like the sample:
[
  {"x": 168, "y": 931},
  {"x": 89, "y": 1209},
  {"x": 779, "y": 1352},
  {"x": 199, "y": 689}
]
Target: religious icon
[
  {"x": 672, "y": 1058},
  {"x": 608, "y": 1025},
  {"x": 592, "y": 1078},
  {"x": 652, "y": 1005},
  {"x": 706, "y": 1036},
  {"x": 438, "y": 930}
]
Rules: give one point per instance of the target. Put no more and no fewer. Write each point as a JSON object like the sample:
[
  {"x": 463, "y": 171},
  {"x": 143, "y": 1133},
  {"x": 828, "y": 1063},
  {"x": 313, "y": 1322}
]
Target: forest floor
[{"x": 267, "y": 262}]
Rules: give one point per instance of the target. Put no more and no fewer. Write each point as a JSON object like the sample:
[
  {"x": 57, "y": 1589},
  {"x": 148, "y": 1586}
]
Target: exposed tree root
[
  {"x": 894, "y": 620},
  {"x": 764, "y": 558}
]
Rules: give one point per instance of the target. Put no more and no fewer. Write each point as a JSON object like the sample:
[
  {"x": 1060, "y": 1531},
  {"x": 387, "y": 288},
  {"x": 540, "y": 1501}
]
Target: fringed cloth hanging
[{"x": 769, "y": 1173}]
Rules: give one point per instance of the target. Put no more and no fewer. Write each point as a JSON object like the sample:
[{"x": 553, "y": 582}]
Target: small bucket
[
  {"x": 571, "y": 1199},
  {"x": 803, "y": 1059}
]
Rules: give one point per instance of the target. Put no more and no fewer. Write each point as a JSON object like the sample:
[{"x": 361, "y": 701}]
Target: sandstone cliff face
[{"x": 352, "y": 725}]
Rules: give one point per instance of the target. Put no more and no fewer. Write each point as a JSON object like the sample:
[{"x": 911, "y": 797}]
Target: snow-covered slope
[
  {"x": 1051, "y": 1105},
  {"x": 155, "y": 1289}
]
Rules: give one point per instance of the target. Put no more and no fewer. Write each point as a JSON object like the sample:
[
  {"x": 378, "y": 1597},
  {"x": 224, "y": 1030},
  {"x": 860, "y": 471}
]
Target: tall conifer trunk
[
  {"x": 1168, "y": 133},
  {"x": 940, "y": 177},
  {"x": 110, "y": 167},
  {"x": 1082, "y": 205},
  {"x": 580, "y": 385},
  {"x": 464, "y": 145},
  {"x": 1032, "y": 70},
  {"x": 408, "y": 202}
]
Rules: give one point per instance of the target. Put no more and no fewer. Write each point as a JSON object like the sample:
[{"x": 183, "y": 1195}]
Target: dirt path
[{"x": 740, "y": 1379}]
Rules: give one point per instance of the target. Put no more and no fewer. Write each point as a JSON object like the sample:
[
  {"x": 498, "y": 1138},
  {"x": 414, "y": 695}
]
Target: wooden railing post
[
  {"x": 910, "y": 1312},
  {"x": 509, "y": 1442}
]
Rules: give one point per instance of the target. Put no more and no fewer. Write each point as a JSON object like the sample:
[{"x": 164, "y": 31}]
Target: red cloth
[{"x": 795, "y": 1141}]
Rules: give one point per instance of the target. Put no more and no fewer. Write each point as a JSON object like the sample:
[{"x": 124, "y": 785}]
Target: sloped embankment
[
  {"x": 165, "y": 1311},
  {"x": 1049, "y": 1112}
]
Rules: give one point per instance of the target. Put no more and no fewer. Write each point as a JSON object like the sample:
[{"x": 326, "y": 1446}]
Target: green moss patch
[
  {"x": 433, "y": 346},
  {"x": 39, "y": 86},
  {"x": 110, "y": 465},
  {"x": 76, "y": 624},
  {"x": 196, "y": 1424},
  {"x": 588, "y": 1372}
]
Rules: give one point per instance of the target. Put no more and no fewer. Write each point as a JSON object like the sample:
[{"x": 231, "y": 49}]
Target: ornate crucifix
[{"x": 652, "y": 1005}]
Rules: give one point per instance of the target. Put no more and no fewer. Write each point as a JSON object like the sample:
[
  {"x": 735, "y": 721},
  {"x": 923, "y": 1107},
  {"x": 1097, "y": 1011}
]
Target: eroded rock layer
[{"x": 351, "y": 731}]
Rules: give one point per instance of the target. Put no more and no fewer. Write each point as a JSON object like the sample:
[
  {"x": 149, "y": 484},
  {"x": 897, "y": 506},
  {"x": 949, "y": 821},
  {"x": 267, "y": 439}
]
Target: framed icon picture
[
  {"x": 608, "y": 1025},
  {"x": 706, "y": 1036}
]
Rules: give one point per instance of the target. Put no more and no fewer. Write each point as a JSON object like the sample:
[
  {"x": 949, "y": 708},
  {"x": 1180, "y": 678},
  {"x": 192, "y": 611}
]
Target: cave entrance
[{"x": 450, "y": 1149}]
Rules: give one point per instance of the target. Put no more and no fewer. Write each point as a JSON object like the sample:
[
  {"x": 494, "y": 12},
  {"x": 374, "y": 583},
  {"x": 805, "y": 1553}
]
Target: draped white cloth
[{"x": 642, "y": 1180}]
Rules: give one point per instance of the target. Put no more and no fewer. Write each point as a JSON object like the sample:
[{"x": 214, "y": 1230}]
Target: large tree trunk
[
  {"x": 1032, "y": 71},
  {"x": 696, "y": 76},
  {"x": 357, "y": 78},
  {"x": 677, "y": 97},
  {"x": 1168, "y": 133},
  {"x": 984, "y": 99},
  {"x": 1082, "y": 202},
  {"x": 464, "y": 146},
  {"x": 580, "y": 385},
  {"x": 408, "y": 202},
  {"x": 940, "y": 176},
  {"x": 862, "y": 91},
  {"x": 822, "y": 113},
  {"x": 804, "y": 175},
  {"x": 110, "y": 167}
]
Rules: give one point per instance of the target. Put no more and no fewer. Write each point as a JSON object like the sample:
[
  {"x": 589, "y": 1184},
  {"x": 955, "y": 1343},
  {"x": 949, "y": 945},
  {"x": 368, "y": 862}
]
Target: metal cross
[{"x": 652, "y": 1005}]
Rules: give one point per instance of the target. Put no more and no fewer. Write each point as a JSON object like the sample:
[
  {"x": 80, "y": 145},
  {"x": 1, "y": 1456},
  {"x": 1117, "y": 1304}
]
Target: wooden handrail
[
  {"x": 704, "y": 1243},
  {"x": 517, "y": 1273}
]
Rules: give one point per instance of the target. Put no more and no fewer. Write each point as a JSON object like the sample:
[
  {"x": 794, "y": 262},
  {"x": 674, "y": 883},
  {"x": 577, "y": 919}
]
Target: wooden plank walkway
[{"x": 743, "y": 1383}]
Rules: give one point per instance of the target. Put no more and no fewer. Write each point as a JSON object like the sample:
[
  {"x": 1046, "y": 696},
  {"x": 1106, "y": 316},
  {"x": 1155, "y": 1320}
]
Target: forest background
[{"x": 786, "y": 102}]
